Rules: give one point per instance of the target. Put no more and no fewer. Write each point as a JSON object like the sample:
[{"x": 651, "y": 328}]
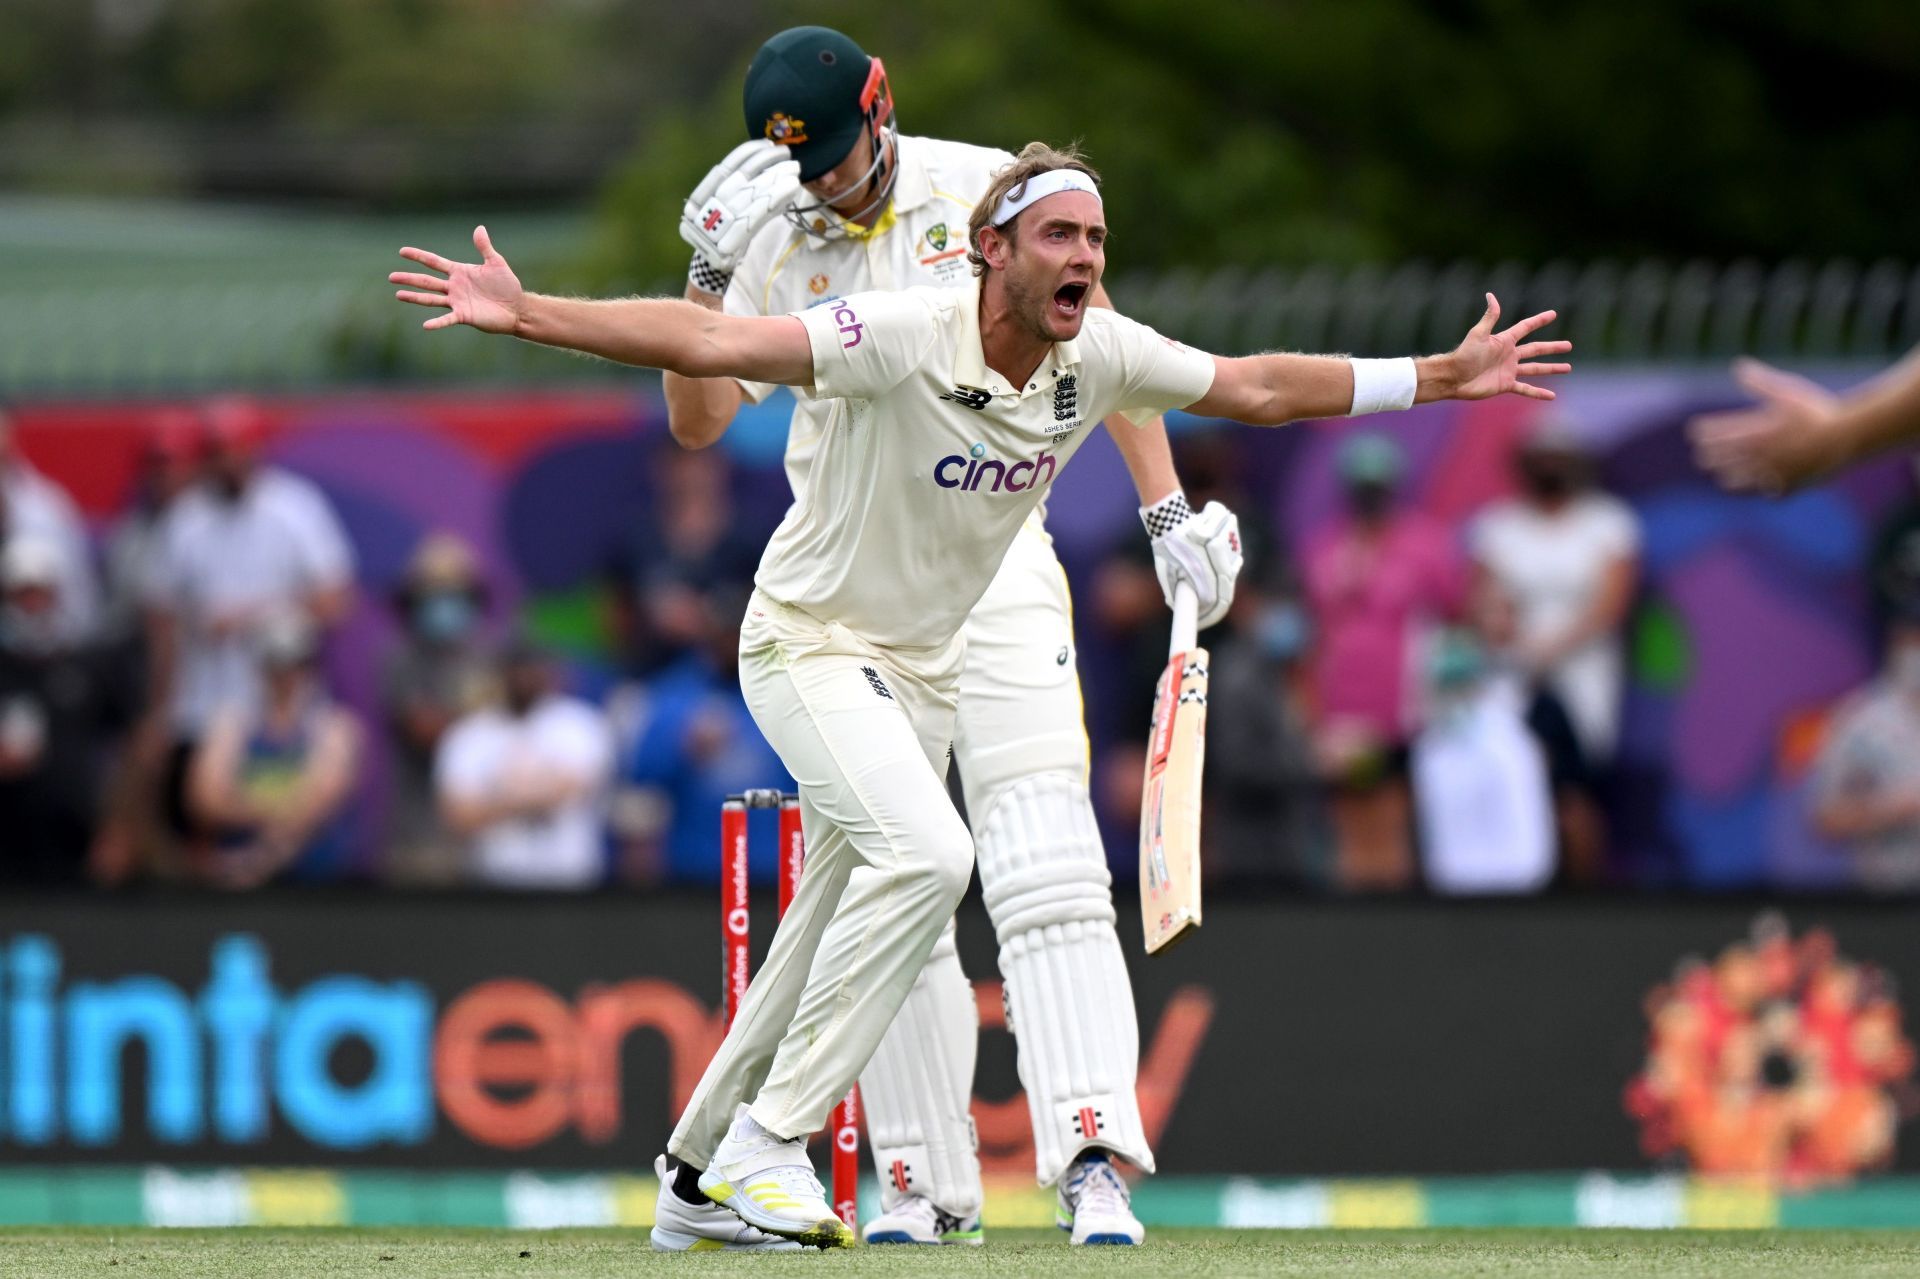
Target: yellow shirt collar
[{"x": 912, "y": 187}]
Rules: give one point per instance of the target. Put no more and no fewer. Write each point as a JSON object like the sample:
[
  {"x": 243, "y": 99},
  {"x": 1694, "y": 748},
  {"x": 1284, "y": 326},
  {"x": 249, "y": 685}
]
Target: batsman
[
  {"x": 827, "y": 199},
  {"x": 949, "y": 413}
]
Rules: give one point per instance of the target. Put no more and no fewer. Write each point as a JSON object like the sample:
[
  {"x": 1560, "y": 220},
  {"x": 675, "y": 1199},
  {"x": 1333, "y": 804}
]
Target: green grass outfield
[{"x": 406, "y": 1253}]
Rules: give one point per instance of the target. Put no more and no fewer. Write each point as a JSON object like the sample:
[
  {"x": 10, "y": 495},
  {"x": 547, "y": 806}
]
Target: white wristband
[{"x": 1383, "y": 386}]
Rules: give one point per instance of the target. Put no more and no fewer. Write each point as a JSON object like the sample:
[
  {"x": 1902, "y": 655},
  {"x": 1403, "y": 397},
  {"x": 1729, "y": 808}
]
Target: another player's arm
[
  {"x": 1144, "y": 448},
  {"x": 658, "y": 333},
  {"x": 1271, "y": 390},
  {"x": 699, "y": 410},
  {"x": 738, "y": 196},
  {"x": 1800, "y": 431}
]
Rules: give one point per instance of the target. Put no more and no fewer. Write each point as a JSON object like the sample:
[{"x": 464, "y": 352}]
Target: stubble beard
[{"x": 1032, "y": 307}]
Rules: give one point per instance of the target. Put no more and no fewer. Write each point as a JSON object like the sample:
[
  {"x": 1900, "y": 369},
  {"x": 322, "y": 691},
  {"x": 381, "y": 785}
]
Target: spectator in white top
[
  {"x": 525, "y": 782},
  {"x": 1566, "y": 557},
  {"x": 1479, "y": 776},
  {"x": 34, "y": 506},
  {"x": 1866, "y": 781},
  {"x": 249, "y": 543}
]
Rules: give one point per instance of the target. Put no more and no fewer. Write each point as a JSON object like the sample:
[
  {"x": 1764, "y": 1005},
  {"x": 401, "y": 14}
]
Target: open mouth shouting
[{"x": 1068, "y": 299}]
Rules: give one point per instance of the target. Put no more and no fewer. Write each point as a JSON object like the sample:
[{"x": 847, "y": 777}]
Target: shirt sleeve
[
  {"x": 1156, "y": 373},
  {"x": 584, "y": 744},
  {"x": 1617, "y": 530},
  {"x": 867, "y": 344},
  {"x": 1483, "y": 537},
  {"x": 161, "y": 579},
  {"x": 458, "y": 766},
  {"x": 326, "y": 557},
  {"x": 1845, "y": 766}
]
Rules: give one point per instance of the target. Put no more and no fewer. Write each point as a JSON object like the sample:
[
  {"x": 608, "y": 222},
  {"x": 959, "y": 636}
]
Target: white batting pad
[
  {"x": 917, "y": 1088},
  {"x": 1069, "y": 1000}
]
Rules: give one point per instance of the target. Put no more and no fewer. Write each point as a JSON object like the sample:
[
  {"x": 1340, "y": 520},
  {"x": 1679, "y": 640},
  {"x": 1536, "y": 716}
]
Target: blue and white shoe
[
  {"x": 1095, "y": 1205},
  {"x": 917, "y": 1219}
]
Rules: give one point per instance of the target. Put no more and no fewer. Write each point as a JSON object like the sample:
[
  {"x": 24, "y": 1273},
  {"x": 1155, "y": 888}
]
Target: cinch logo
[
  {"x": 850, "y": 326},
  {"x": 969, "y": 473}
]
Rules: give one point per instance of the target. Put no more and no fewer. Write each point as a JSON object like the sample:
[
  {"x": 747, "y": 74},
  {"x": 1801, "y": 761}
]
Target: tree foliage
[
  {"x": 1230, "y": 131},
  {"x": 1296, "y": 130}
]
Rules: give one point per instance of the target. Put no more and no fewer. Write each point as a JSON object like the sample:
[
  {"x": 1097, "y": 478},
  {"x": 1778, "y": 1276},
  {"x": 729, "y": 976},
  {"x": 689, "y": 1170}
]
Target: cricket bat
[{"x": 1170, "y": 802}]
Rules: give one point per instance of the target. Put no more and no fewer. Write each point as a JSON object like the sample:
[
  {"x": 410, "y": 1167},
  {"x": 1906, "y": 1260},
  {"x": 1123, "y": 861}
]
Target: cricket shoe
[
  {"x": 768, "y": 1183},
  {"x": 1095, "y": 1205},
  {"x": 679, "y": 1226},
  {"x": 917, "y": 1219}
]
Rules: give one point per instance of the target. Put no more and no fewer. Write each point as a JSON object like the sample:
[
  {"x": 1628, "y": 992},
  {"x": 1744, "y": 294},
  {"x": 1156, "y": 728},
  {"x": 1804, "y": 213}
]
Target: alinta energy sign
[{"x": 345, "y": 1062}]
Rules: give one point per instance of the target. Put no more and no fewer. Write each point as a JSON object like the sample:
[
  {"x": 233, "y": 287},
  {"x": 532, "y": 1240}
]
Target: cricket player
[
  {"x": 951, "y": 412},
  {"x": 880, "y": 210}
]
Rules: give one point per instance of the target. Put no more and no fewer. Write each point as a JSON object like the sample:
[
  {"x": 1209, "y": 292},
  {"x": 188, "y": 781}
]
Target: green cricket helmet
[{"x": 814, "y": 91}]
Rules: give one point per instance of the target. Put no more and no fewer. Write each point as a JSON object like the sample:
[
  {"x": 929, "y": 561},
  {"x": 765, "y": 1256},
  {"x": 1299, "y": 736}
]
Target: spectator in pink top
[{"x": 1377, "y": 582}]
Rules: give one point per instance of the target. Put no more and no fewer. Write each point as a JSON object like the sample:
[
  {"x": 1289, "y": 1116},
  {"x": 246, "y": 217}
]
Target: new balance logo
[
  {"x": 876, "y": 683},
  {"x": 968, "y": 397}
]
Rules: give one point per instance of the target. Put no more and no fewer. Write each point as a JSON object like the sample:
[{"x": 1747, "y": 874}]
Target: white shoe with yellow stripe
[
  {"x": 679, "y": 1226},
  {"x": 769, "y": 1183}
]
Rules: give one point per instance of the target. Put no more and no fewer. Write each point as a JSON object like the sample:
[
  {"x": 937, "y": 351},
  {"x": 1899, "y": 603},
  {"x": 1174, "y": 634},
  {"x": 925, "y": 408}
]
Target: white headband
[{"x": 1039, "y": 187}]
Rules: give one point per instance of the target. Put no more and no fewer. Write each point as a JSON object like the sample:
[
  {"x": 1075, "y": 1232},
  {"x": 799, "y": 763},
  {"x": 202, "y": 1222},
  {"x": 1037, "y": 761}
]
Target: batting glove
[
  {"x": 1202, "y": 550},
  {"x": 738, "y": 196}
]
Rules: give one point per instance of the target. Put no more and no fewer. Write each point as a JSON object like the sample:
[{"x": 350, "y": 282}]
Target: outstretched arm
[
  {"x": 658, "y": 333},
  {"x": 1799, "y": 431},
  {"x": 1269, "y": 390}
]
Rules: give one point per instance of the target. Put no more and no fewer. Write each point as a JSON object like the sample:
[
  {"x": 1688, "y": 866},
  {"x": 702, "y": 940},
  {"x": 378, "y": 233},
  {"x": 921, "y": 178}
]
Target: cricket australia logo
[
  {"x": 968, "y": 397},
  {"x": 876, "y": 683},
  {"x": 937, "y": 237},
  {"x": 1066, "y": 399}
]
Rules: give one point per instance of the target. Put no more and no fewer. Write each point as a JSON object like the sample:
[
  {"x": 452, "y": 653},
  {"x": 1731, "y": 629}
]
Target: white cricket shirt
[
  {"x": 920, "y": 239},
  {"x": 928, "y": 462}
]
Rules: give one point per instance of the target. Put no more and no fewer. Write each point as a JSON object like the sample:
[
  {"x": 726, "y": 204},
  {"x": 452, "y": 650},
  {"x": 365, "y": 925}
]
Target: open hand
[
  {"x": 1786, "y": 440},
  {"x": 486, "y": 295},
  {"x": 1486, "y": 364}
]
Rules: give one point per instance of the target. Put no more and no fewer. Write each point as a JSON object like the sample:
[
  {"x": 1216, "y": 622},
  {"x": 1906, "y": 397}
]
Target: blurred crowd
[{"x": 1399, "y": 704}]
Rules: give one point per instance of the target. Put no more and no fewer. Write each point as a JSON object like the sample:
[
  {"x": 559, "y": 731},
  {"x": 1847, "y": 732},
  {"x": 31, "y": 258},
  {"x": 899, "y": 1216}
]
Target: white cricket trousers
[{"x": 866, "y": 732}]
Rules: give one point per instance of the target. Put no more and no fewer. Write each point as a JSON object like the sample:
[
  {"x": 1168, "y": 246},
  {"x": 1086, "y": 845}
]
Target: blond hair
[{"x": 1034, "y": 159}]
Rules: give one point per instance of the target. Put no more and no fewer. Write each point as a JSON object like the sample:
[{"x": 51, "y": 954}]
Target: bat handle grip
[{"x": 1186, "y": 619}]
